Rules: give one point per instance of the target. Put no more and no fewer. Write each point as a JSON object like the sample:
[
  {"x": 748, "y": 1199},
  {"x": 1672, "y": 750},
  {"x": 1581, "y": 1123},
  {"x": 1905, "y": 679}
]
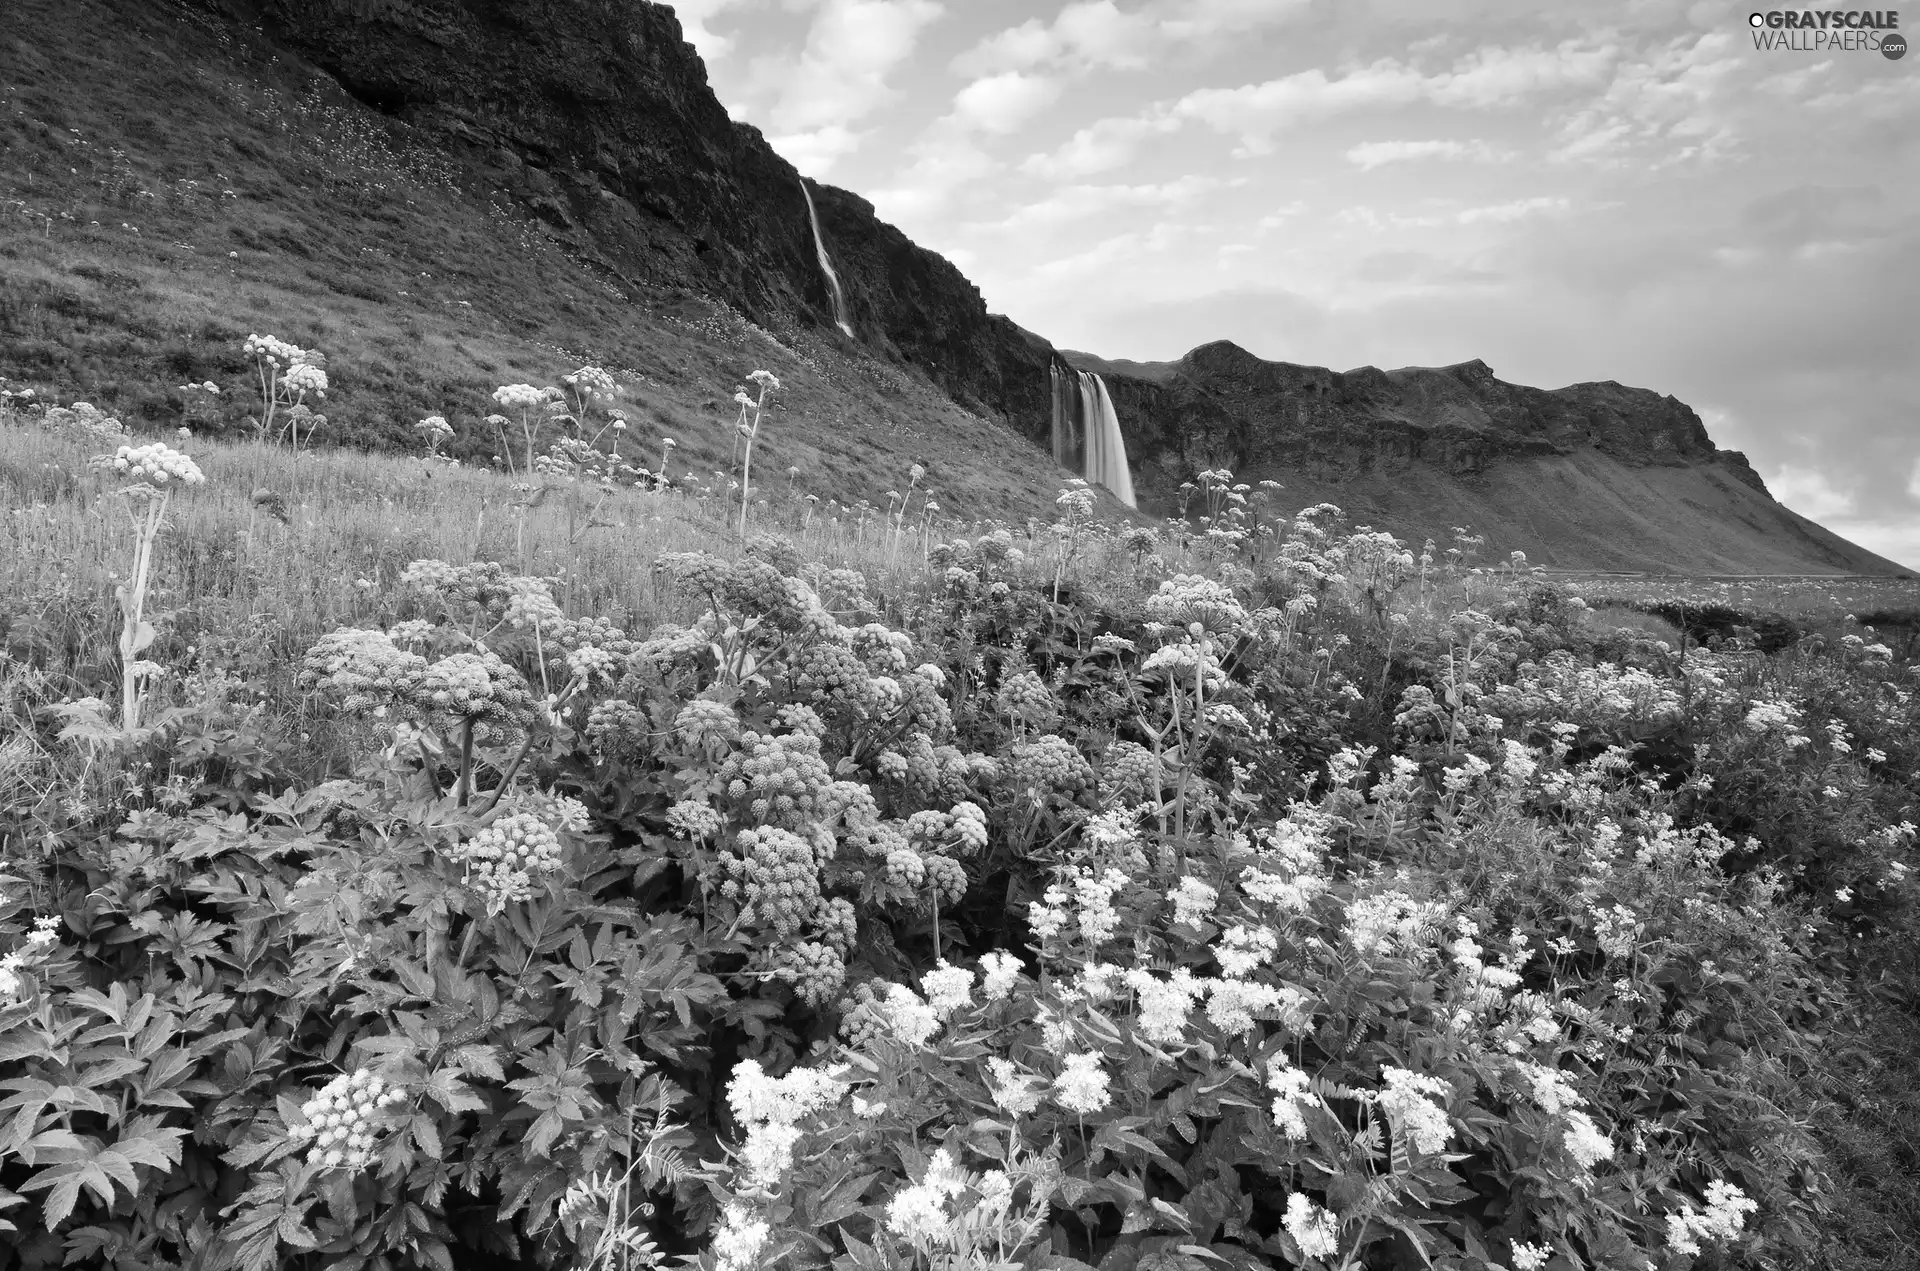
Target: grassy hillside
[
  {"x": 139, "y": 249},
  {"x": 1588, "y": 511}
]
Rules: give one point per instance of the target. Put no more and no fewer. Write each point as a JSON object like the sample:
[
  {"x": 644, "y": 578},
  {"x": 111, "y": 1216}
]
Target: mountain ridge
[{"x": 594, "y": 120}]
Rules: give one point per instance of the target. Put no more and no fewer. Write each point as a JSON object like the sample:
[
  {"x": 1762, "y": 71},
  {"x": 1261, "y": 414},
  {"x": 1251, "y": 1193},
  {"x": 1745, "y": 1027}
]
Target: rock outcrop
[
  {"x": 1221, "y": 406},
  {"x": 1590, "y": 476}
]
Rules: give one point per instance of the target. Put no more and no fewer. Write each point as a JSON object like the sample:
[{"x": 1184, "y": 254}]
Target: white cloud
[
  {"x": 1913, "y": 480},
  {"x": 1512, "y": 211},
  {"x": 1491, "y": 77},
  {"x": 1373, "y": 154},
  {"x": 1101, "y": 146},
  {"x": 1099, "y": 35},
  {"x": 841, "y": 74},
  {"x": 1670, "y": 98},
  {"x": 1368, "y": 218},
  {"x": 945, "y": 158},
  {"x": 815, "y": 153},
  {"x": 1282, "y": 214},
  {"x": 1076, "y": 202},
  {"x": 1000, "y": 103},
  {"x": 1809, "y": 492},
  {"x": 694, "y": 15}
]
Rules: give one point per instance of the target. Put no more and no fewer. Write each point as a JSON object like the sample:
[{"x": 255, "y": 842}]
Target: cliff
[
  {"x": 597, "y": 116},
  {"x": 1590, "y": 476}
]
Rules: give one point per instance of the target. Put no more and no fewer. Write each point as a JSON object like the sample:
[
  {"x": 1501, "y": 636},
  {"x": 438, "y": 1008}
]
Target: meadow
[{"x": 581, "y": 861}]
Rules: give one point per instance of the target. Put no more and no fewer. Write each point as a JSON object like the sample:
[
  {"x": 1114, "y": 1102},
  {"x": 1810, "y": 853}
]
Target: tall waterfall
[
  {"x": 1086, "y": 432},
  {"x": 826, "y": 266}
]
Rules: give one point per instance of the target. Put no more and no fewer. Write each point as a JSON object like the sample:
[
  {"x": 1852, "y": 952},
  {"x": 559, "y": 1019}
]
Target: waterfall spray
[
  {"x": 1086, "y": 432},
  {"x": 826, "y": 266}
]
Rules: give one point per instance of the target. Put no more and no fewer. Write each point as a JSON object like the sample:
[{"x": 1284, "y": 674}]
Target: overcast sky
[{"x": 1625, "y": 191}]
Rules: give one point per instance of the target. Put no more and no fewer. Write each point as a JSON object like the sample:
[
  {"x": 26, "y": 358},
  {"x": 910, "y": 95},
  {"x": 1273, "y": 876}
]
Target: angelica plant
[
  {"x": 750, "y": 433},
  {"x": 287, "y": 374},
  {"x": 154, "y": 472}
]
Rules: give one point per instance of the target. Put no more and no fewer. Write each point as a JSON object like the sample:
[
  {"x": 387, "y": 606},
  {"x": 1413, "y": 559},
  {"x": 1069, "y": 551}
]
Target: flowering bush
[{"x": 1318, "y": 904}]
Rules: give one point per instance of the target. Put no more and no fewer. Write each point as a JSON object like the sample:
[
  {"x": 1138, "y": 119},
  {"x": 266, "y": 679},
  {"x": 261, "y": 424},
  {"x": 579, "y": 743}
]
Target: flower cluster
[
  {"x": 503, "y": 860},
  {"x": 45, "y": 932},
  {"x": 770, "y": 1110},
  {"x": 524, "y": 397},
  {"x": 1405, "y": 1101},
  {"x": 1725, "y": 1215},
  {"x": 155, "y": 464},
  {"x": 343, "y": 1120}
]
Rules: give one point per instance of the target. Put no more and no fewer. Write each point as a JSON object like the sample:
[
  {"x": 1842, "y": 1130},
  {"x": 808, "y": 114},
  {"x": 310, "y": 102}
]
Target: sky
[{"x": 1625, "y": 191}]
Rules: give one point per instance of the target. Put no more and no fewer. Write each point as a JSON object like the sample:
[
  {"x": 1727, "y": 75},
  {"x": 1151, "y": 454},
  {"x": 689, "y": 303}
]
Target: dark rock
[{"x": 1221, "y": 406}]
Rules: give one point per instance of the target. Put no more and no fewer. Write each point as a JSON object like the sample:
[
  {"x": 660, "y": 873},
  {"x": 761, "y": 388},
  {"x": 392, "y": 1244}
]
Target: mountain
[
  {"x": 1588, "y": 477},
  {"x": 450, "y": 194}
]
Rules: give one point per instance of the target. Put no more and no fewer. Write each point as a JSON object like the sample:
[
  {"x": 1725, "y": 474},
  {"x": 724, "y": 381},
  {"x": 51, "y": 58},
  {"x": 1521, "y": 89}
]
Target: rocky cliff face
[
  {"x": 1221, "y": 406},
  {"x": 597, "y": 116}
]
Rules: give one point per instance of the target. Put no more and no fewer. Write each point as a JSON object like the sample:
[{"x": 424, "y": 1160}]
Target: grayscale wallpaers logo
[{"x": 1829, "y": 31}]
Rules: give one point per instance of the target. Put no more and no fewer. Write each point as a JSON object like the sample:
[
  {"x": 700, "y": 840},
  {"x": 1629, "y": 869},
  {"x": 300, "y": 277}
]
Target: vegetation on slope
[{"x": 1099, "y": 895}]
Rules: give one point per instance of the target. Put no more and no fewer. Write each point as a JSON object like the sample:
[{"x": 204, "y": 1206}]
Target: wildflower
[
  {"x": 1403, "y": 1099},
  {"x": 1290, "y": 1091},
  {"x": 948, "y": 988},
  {"x": 1726, "y": 1213},
  {"x": 155, "y": 464},
  {"x": 1082, "y": 1084},
  {"x": 1012, "y": 1090},
  {"x": 1232, "y": 1003},
  {"x": 738, "y": 1243},
  {"x": 1192, "y": 901},
  {"x": 1530, "y": 1257},
  {"x": 1584, "y": 1141},
  {"x": 906, "y": 1016},
  {"x": 502, "y": 859},
  {"x": 1164, "y": 1004},
  {"x": 1314, "y": 1229},
  {"x": 918, "y": 1214},
  {"x": 1000, "y": 971},
  {"x": 341, "y": 1120},
  {"x": 1243, "y": 949},
  {"x": 693, "y": 820}
]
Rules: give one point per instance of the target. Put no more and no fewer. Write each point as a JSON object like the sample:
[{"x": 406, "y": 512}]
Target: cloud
[
  {"x": 841, "y": 74},
  {"x": 1810, "y": 492},
  {"x": 694, "y": 15},
  {"x": 1490, "y": 77},
  {"x": 1369, "y": 218},
  {"x": 1000, "y": 103},
  {"x": 945, "y": 158},
  {"x": 1090, "y": 35},
  {"x": 1913, "y": 480},
  {"x": 1282, "y": 214},
  {"x": 1101, "y": 146},
  {"x": 815, "y": 153},
  {"x": 1672, "y": 99},
  {"x": 1373, "y": 154},
  {"x": 1070, "y": 203},
  {"x": 1512, "y": 211}
]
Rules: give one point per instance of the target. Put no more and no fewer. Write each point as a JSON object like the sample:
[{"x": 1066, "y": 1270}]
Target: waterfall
[
  {"x": 1086, "y": 432},
  {"x": 826, "y": 266}
]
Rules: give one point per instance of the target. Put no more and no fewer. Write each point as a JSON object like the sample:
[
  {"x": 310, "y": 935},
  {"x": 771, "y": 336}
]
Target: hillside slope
[
  {"x": 140, "y": 246},
  {"x": 1591, "y": 476}
]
